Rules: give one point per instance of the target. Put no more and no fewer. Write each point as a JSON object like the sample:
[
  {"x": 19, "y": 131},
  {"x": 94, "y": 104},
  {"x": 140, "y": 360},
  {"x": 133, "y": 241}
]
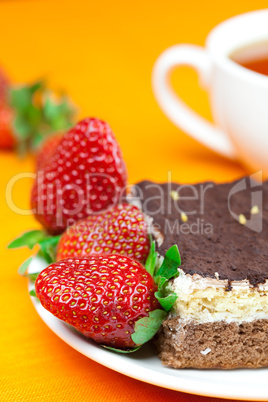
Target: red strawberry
[
  {"x": 47, "y": 150},
  {"x": 120, "y": 230},
  {"x": 101, "y": 296},
  {"x": 85, "y": 175},
  {"x": 7, "y": 139}
]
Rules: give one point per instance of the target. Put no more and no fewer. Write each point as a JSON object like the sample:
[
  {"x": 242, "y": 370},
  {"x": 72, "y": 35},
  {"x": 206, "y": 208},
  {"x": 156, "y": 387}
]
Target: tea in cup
[{"x": 233, "y": 67}]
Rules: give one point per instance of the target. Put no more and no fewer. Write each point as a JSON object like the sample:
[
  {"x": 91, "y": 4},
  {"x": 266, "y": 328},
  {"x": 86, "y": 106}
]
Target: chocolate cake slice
[{"x": 220, "y": 318}]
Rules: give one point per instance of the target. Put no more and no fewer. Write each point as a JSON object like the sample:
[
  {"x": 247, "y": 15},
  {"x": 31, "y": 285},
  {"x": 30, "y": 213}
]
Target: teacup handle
[{"x": 175, "y": 109}]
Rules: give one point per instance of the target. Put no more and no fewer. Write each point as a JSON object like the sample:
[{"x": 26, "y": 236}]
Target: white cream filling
[{"x": 206, "y": 300}]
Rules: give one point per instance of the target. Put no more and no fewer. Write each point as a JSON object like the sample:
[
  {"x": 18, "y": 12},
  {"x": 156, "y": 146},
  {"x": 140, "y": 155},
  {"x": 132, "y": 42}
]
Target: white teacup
[{"x": 238, "y": 96}]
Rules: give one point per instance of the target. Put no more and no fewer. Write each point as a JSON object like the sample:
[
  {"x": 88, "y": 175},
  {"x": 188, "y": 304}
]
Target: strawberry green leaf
[
  {"x": 169, "y": 267},
  {"x": 33, "y": 293},
  {"x": 147, "y": 327},
  {"x": 166, "y": 301},
  {"x": 151, "y": 259},
  {"x": 58, "y": 115},
  {"x": 32, "y": 276},
  {"x": 21, "y": 96},
  {"x": 28, "y": 239},
  {"x": 48, "y": 247},
  {"x": 48, "y": 244},
  {"x": 161, "y": 281},
  {"x": 121, "y": 350},
  {"x": 22, "y": 128},
  {"x": 37, "y": 140},
  {"x": 24, "y": 266},
  {"x": 38, "y": 113}
]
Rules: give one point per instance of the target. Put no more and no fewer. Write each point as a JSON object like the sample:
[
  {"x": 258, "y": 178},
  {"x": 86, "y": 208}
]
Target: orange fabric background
[{"x": 102, "y": 54}]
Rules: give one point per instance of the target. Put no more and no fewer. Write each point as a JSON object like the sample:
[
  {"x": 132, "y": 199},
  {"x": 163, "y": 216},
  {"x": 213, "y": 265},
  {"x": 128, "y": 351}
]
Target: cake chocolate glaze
[{"x": 212, "y": 240}]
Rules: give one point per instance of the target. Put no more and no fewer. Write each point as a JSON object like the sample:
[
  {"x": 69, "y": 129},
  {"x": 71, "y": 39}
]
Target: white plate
[{"x": 144, "y": 365}]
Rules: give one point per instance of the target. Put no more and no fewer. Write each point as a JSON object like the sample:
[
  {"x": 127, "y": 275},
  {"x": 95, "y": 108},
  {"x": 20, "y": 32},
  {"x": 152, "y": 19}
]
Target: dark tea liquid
[
  {"x": 259, "y": 66},
  {"x": 253, "y": 57}
]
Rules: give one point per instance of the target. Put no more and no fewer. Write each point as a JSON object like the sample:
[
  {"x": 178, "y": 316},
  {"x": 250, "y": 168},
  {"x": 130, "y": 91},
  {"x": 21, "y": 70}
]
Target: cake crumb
[
  {"x": 217, "y": 276},
  {"x": 174, "y": 195},
  {"x": 206, "y": 351},
  {"x": 255, "y": 210},
  {"x": 242, "y": 219}
]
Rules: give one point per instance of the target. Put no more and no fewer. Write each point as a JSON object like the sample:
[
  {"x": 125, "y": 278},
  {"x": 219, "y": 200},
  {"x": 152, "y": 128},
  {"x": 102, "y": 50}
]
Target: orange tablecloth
[{"x": 102, "y": 54}]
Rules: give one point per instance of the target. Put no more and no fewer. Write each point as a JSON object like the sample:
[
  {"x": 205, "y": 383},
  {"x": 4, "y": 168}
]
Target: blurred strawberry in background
[
  {"x": 30, "y": 115},
  {"x": 47, "y": 149},
  {"x": 7, "y": 139}
]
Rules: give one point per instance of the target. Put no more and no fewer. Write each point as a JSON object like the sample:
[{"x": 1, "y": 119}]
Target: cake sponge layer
[
  {"x": 207, "y": 300},
  {"x": 186, "y": 344}
]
